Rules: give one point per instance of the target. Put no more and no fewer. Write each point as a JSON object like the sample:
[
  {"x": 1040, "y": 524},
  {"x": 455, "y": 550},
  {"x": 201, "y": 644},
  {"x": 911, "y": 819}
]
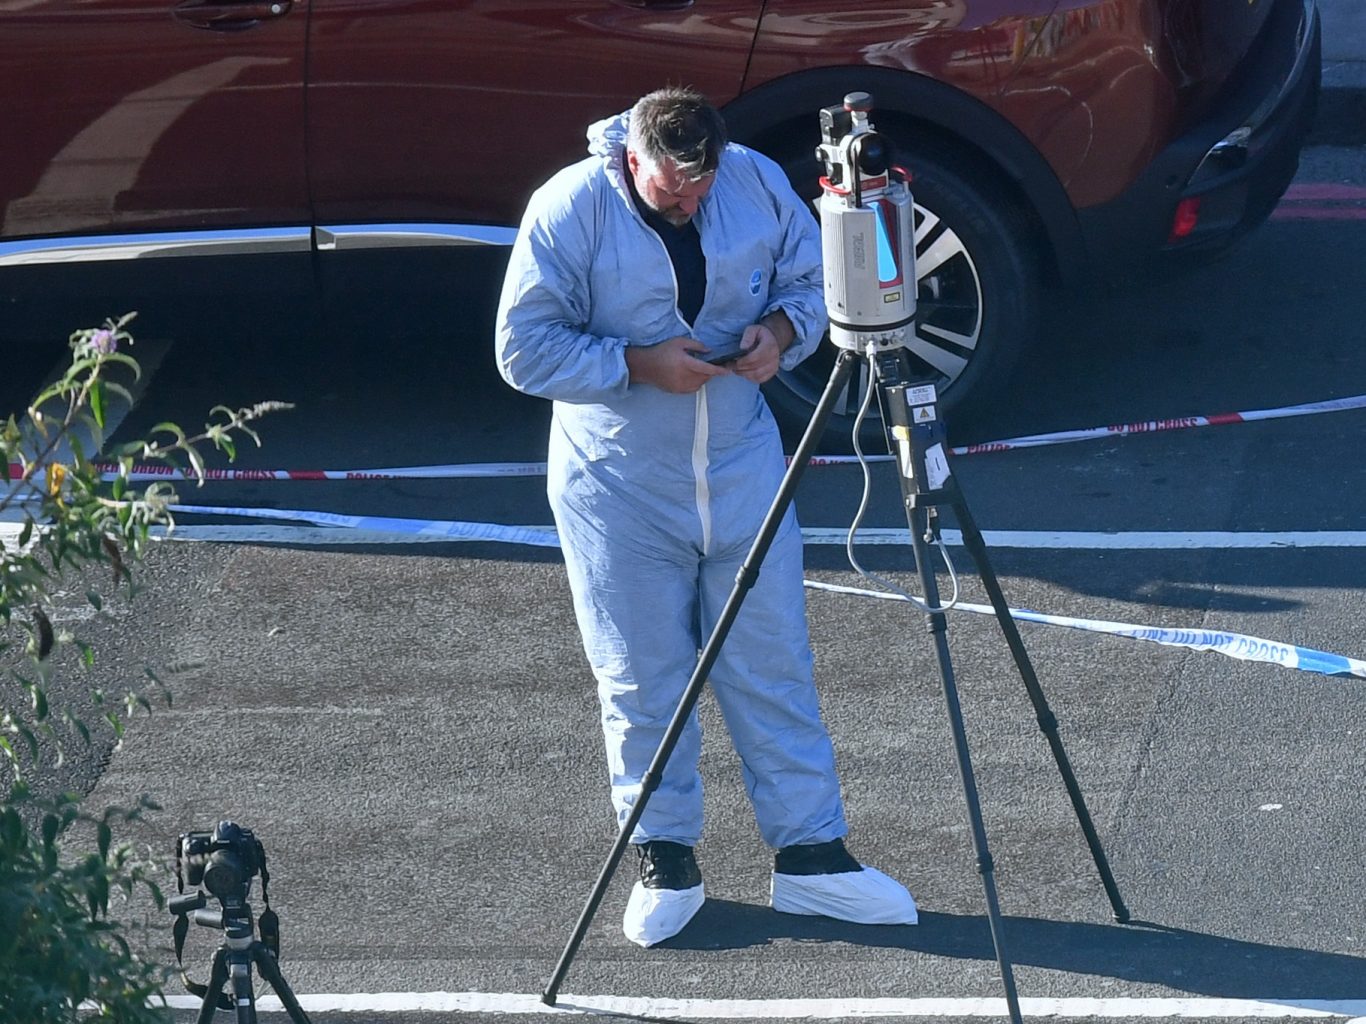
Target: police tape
[
  {"x": 1233, "y": 645},
  {"x": 1157, "y": 426},
  {"x": 373, "y": 528},
  {"x": 150, "y": 472},
  {"x": 143, "y": 473}
]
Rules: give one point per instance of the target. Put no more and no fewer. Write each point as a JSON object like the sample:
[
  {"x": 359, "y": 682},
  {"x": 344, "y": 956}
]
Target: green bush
[
  {"x": 60, "y": 949},
  {"x": 63, "y": 954}
]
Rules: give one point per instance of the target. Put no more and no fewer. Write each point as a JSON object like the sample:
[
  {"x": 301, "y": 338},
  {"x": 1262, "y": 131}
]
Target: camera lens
[
  {"x": 873, "y": 155},
  {"x": 224, "y": 875}
]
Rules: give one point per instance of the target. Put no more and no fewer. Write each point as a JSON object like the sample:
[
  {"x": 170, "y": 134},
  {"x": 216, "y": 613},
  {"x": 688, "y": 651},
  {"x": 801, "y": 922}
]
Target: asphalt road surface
[{"x": 412, "y": 731}]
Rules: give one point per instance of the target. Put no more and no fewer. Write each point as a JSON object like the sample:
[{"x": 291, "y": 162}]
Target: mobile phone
[{"x": 723, "y": 356}]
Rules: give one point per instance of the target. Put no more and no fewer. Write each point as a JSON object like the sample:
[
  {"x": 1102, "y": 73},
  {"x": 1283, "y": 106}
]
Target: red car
[{"x": 1050, "y": 140}]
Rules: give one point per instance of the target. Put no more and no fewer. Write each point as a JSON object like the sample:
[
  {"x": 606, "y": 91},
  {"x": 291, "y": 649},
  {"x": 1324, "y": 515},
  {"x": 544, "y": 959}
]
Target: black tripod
[
  {"x": 915, "y": 437},
  {"x": 235, "y": 957}
]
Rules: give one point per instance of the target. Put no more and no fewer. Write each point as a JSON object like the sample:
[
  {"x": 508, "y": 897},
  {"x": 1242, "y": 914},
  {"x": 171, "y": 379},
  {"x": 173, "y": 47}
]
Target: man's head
[{"x": 673, "y": 147}]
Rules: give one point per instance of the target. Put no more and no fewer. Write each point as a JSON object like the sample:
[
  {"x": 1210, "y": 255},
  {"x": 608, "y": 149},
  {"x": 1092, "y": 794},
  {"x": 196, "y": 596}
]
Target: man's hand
[
  {"x": 763, "y": 344},
  {"x": 672, "y": 365}
]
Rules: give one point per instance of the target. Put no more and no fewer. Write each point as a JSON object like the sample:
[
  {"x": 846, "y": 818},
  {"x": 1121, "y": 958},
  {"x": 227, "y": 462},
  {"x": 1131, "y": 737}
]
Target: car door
[
  {"x": 144, "y": 117},
  {"x": 434, "y": 117}
]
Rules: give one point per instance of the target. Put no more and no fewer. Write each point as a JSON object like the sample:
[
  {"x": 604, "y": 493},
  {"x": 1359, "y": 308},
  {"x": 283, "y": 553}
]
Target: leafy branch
[{"x": 78, "y": 513}]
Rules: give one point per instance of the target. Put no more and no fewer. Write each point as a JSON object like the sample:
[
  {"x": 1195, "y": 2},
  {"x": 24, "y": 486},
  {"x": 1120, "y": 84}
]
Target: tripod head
[
  {"x": 233, "y": 917},
  {"x": 867, "y": 232}
]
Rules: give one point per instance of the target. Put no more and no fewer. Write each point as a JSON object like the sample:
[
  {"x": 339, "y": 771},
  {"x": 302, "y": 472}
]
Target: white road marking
[
  {"x": 9, "y": 532},
  {"x": 1036, "y": 539},
  {"x": 517, "y": 1003}
]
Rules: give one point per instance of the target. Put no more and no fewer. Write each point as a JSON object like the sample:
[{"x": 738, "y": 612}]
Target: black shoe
[
  {"x": 816, "y": 859},
  {"x": 666, "y": 865}
]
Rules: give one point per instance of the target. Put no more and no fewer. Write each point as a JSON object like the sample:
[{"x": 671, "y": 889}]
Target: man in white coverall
[{"x": 635, "y": 273}]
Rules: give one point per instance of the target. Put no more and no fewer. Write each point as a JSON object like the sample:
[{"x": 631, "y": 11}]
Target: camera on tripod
[
  {"x": 223, "y": 861},
  {"x": 867, "y": 231}
]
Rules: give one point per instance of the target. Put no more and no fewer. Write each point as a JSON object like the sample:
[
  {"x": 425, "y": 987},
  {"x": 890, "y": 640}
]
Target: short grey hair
[{"x": 678, "y": 125}]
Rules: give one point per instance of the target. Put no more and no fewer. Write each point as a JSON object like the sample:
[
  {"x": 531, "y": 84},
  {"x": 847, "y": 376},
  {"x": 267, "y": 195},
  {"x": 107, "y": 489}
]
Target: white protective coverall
[{"x": 658, "y": 496}]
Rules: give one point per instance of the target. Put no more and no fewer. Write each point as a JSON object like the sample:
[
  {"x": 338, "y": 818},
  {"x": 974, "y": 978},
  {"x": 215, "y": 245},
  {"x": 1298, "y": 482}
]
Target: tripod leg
[
  {"x": 270, "y": 970},
  {"x": 1048, "y": 722},
  {"x": 217, "y": 976},
  {"x": 938, "y": 627},
  {"x": 243, "y": 999},
  {"x": 744, "y": 582}
]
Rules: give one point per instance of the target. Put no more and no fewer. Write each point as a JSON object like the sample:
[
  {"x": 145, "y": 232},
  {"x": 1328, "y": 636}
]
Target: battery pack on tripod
[{"x": 916, "y": 435}]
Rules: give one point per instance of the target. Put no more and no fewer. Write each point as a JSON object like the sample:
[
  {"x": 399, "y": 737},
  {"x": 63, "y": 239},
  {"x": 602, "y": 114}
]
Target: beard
[{"x": 674, "y": 215}]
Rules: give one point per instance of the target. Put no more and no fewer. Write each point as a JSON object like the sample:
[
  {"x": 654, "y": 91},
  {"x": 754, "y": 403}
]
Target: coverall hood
[
  {"x": 607, "y": 138},
  {"x": 607, "y": 142}
]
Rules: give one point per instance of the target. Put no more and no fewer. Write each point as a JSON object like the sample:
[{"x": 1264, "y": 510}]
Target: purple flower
[{"x": 104, "y": 341}]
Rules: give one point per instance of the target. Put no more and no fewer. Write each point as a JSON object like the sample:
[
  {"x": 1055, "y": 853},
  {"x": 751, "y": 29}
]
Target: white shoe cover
[
  {"x": 863, "y": 897},
  {"x": 653, "y": 915}
]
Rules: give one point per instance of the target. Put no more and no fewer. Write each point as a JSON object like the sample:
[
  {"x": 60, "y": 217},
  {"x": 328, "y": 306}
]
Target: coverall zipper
[{"x": 700, "y": 461}]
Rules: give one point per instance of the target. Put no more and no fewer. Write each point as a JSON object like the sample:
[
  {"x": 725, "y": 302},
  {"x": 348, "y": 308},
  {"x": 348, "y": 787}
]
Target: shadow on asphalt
[{"x": 1140, "y": 951}]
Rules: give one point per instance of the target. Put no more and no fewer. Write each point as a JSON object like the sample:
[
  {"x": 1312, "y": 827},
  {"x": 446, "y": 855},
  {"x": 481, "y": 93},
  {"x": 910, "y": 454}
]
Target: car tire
[{"x": 977, "y": 298}]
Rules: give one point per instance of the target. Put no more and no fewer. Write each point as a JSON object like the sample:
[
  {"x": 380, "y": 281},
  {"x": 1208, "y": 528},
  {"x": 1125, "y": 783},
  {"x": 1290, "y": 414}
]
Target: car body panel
[
  {"x": 1204, "y": 41},
  {"x": 133, "y": 118},
  {"x": 1082, "y": 79},
  {"x": 1266, "y": 107},
  {"x": 433, "y": 120},
  {"x": 471, "y": 117}
]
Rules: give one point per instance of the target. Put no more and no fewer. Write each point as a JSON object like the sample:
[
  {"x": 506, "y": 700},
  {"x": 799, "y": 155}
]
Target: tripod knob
[{"x": 181, "y": 905}]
